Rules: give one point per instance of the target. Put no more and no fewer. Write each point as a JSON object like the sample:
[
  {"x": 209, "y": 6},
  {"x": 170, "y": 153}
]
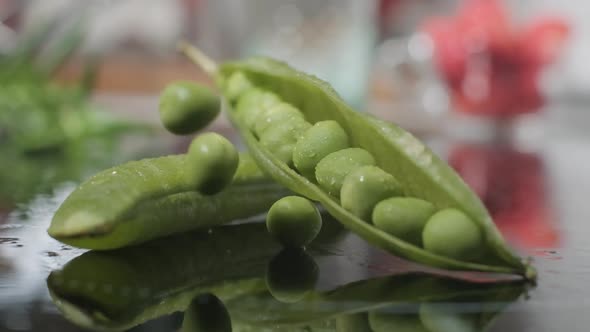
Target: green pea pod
[
  {"x": 146, "y": 199},
  {"x": 400, "y": 294},
  {"x": 421, "y": 173},
  {"x": 115, "y": 290}
]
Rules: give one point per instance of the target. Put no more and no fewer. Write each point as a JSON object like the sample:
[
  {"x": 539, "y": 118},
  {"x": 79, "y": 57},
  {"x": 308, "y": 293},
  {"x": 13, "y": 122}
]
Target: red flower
[{"x": 490, "y": 65}]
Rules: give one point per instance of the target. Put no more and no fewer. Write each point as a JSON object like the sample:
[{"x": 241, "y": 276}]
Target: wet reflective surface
[{"x": 238, "y": 275}]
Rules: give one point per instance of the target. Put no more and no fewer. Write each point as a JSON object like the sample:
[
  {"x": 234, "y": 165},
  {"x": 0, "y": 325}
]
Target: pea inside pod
[
  {"x": 451, "y": 233},
  {"x": 366, "y": 186},
  {"x": 279, "y": 113},
  {"x": 281, "y": 138},
  {"x": 332, "y": 169},
  {"x": 403, "y": 217},
  {"x": 317, "y": 142},
  {"x": 252, "y": 103}
]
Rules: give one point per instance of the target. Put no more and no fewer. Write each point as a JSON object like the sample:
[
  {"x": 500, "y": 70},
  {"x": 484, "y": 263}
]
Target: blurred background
[
  {"x": 426, "y": 64},
  {"x": 498, "y": 88}
]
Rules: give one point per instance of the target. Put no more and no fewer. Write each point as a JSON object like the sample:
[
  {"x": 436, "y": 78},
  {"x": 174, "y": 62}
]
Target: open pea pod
[
  {"x": 118, "y": 289},
  {"x": 363, "y": 305},
  {"x": 146, "y": 199},
  {"x": 421, "y": 173}
]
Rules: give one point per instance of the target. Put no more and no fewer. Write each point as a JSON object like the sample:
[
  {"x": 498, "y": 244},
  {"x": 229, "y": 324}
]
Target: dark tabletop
[{"x": 538, "y": 197}]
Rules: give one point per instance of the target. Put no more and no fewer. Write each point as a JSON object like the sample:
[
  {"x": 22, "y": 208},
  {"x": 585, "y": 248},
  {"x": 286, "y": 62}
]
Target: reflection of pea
[
  {"x": 353, "y": 323},
  {"x": 206, "y": 313},
  {"x": 398, "y": 322},
  {"x": 291, "y": 274},
  {"x": 440, "y": 318}
]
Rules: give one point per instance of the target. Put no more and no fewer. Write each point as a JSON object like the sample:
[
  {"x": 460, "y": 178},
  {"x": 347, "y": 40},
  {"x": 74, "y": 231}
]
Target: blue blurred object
[{"x": 333, "y": 39}]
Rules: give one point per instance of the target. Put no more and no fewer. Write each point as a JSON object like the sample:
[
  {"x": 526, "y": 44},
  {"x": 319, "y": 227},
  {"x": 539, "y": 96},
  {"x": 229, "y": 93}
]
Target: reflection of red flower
[
  {"x": 491, "y": 66},
  {"x": 511, "y": 185}
]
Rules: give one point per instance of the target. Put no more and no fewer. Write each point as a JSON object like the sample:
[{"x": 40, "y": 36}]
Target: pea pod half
[
  {"x": 151, "y": 198},
  {"x": 421, "y": 173}
]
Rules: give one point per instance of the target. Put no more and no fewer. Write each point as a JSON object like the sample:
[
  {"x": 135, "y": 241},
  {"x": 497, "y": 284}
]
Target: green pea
[
  {"x": 206, "y": 313},
  {"x": 294, "y": 221},
  {"x": 442, "y": 318},
  {"x": 236, "y": 85},
  {"x": 332, "y": 169},
  {"x": 252, "y": 103},
  {"x": 291, "y": 275},
  {"x": 275, "y": 115},
  {"x": 403, "y": 217},
  {"x": 398, "y": 322},
  {"x": 451, "y": 233},
  {"x": 213, "y": 161},
  {"x": 366, "y": 186},
  {"x": 186, "y": 107},
  {"x": 320, "y": 140},
  {"x": 280, "y": 140}
]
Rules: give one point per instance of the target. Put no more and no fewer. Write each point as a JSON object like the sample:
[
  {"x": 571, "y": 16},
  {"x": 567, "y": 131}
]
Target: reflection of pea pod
[
  {"x": 353, "y": 323},
  {"x": 128, "y": 203},
  {"x": 122, "y": 288},
  {"x": 393, "y": 293}
]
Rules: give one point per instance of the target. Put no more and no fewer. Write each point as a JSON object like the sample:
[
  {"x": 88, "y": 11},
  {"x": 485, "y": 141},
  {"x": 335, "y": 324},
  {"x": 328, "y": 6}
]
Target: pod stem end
[{"x": 198, "y": 57}]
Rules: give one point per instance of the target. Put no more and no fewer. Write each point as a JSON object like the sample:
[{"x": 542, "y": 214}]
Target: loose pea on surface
[
  {"x": 320, "y": 140},
  {"x": 332, "y": 169},
  {"x": 280, "y": 139},
  {"x": 291, "y": 275},
  {"x": 451, "y": 233},
  {"x": 403, "y": 217},
  {"x": 213, "y": 160},
  {"x": 275, "y": 115},
  {"x": 252, "y": 103},
  {"x": 236, "y": 85},
  {"x": 366, "y": 186},
  {"x": 186, "y": 107},
  {"x": 294, "y": 221}
]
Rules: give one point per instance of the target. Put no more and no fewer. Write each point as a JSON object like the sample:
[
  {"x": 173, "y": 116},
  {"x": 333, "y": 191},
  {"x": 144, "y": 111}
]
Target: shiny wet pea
[
  {"x": 332, "y": 169},
  {"x": 252, "y": 103},
  {"x": 403, "y": 217},
  {"x": 320, "y": 140},
  {"x": 451, "y": 233},
  {"x": 294, "y": 221},
  {"x": 366, "y": 186}
]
